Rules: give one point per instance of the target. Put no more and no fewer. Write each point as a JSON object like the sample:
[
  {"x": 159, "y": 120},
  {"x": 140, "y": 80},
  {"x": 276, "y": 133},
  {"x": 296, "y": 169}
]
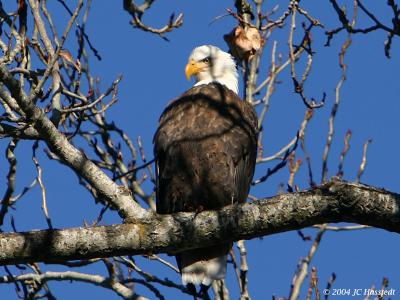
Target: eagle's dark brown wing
[{"x": 205, "y": 148}]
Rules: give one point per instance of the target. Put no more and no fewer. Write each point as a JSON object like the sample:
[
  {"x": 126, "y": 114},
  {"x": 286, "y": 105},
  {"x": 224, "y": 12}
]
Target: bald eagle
[{"x": 205, "y": 149}]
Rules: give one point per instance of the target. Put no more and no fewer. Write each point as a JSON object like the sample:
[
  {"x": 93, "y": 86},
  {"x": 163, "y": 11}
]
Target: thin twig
[
  {"x": 11, "y": 178},
  {"x": 294, "y": 166},
  {"x": 151, "y": 278},
  {"x": 302, "y": 271},
  {"x": 136, "y": 13},
  {"x": 94, "y": 103},
  {"x": 280, "y": 153},
  {"x": 270, "y": 88},
  {"x": 346, "y": 149},
  {"x": 343, "y": 228},
  {"x": 329, "y": 285},
  {"x": 363, "y": 160},
  {"x": 335, "y": 107},
  {"x": 244, "y": 268},
  {"x": 42, "y": 187},
  {"x": 163, "y": 261}
]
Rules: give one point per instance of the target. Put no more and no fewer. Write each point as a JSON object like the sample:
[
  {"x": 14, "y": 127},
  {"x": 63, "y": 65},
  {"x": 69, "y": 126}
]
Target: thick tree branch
[{"x": 332, "y": 202}]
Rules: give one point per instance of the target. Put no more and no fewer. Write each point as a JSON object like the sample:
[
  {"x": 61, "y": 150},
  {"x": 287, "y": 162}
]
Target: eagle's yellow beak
[{"x": 192, "y": 68}]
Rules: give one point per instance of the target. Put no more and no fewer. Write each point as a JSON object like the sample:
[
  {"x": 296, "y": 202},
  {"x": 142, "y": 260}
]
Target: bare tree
[{"x": 51, "y": 100}]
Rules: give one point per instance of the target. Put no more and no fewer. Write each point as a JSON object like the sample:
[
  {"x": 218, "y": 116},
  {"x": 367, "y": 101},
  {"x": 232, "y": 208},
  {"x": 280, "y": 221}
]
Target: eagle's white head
[{"x": 210, "y": 64}]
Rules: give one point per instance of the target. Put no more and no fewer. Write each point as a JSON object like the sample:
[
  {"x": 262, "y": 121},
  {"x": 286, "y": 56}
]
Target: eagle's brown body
[{"x": 205, "y": 149}]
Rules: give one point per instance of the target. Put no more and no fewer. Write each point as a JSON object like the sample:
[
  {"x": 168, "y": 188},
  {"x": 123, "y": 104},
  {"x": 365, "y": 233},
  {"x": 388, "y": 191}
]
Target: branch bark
[{"x": 333, "y": 202}]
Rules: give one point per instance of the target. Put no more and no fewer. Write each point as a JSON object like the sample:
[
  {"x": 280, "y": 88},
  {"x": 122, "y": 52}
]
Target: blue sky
[{"x": 153, "y": 74}]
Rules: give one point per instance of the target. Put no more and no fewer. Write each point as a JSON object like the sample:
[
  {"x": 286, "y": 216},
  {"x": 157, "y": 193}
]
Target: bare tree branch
[
  {"x": 74, "y": 158},
  {"x": 119, "y": 288},
  {"x": 11, "y": 177},
  {"x": 378, "y": 25},
  {"x": 53, "y": 55},
  {"x": 302, "y": 271},
  {"x": 137, "y": 12},
  {"x": 363, "y": 160}
]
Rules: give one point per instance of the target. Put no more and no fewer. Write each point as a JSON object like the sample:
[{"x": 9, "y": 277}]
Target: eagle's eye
[{"x": 206, "y": 60}]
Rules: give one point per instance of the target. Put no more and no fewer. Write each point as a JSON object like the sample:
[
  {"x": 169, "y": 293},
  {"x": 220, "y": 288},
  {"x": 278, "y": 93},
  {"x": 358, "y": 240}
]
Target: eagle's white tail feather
[{"x": 204, "y": 271}]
